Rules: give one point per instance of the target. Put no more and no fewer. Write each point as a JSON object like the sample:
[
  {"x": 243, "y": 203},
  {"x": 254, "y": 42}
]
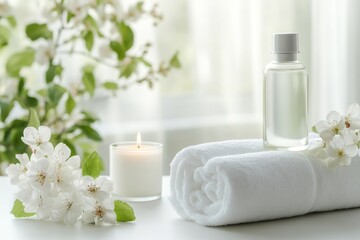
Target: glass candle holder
[{"x": 136, "y": 170}]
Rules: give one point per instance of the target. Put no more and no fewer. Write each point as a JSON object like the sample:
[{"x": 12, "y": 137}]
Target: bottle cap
[{"x": 284, "y": 43}]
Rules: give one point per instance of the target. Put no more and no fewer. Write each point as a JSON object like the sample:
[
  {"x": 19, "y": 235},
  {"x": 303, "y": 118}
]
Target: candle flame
[{"x": 138, "y": 140}]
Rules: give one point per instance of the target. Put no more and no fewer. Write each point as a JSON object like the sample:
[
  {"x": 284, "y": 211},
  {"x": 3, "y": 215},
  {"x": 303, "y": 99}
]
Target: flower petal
[
  {"x": 104, "y": 183},
  {"x": 337, "y": 142},
  {"x": 332, "y": 162},
  {"x": 327, "y": 135},
  {"x": 109, "y": 204},
  {"x": 355, "y": 123},
  {"x": 86, "y": 180},
  {"x": 44, "y": 133},
  {"x": 351, "y": 150},
  {"x": 341, "y": 124},
  {"x": 74, "y": 162},
  {"x": 88, "y": 216},
  {"x": 71, "y": 216},
  {"x": 322, "y": 126},
  {"x": 331, "y": 152},
  {"x": 333, "y": 117},
  {"x": 345, "y": 161},
  {"x": 110, "y": 217},
  {"x": 46, "y": 149},
  {"x": 353, "y": 110},
  {"x": 30, "y": 133},
  {"x": 23, "y": 158},
  {"x": 62, "y": 152}
]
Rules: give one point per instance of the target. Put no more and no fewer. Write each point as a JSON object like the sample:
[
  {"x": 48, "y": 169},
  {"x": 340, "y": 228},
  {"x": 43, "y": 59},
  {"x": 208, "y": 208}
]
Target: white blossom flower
[
  {"x": 17, "y": 172},
  {"x": 73, "y": 118},
  {"x": 318, "y": 149},
  {"x": 99, "y": 212},
  {"x": 5, "y": 9},
  {"x": 353, "y": 137},
  {"x": 105, "y": 50},
  {"x": 8, "y": 87},
  {"x": 48, "y": 12},
  {"x": 36, "y": 138},
  {"x": 334, "y": 125},
  {"x": 45, "y": 150},
  {"x": 352, "y": 117},
  {"x": 339, "y": 153},
  {"x": 79, "y": 7},
  {"x": 45, "y": 51},
  {"x": 51, "y": 185},
  {"x": 35, "y": 201},
  {"x": 67, "y": 208},
  {"x": 62, "y": 156},
  {"x": 99, "y": 189},
  {"x": 39, "y": 174},
  {"x": 65, "y": 178}
]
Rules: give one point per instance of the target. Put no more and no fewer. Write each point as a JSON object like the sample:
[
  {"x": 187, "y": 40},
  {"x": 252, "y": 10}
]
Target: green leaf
[
  {"x": 90, "y": 132},
  {"x": 42, "y": 92},
  {"x": 99, "y": 2},
  {"x": 127, "y": 35},
  {"x": 69, "y": 16},
  {"x": 34, "y": 119},
  {"x": 128, "y": 69},
  {"x": 35, "y": 31},
  {"x": 5, "y": 108},
  {"x": 70, "y": 104},
  {"x": 55, "y": 93},
  {"x": 139, "y": 6},
  {"x": 89, "y": 40},
  {"x": 18, "y": 210},
  {"x": 90, "y": 22},
  {"x": 88, "y": 80},
  {"x": 313, "y": 129},
  {"x": 20, "y": 86},
  {"x": 174, "y": 61},
  {"x": 145, "y": 62},
  {"x": 19, "y": 60},
  {"x": 53, "y": 71},
  {"x": 4, "y": 36},
  {"x": 110, "y": 85},
  {"x": 119, "y": 49},
  {"x": 89, "y": 117},
  {"x": 29, "y": 102},
  {"x": 92, "y": 165},
  {"x": 12, "y": 21},
  {"x": 123, "y": 211}
]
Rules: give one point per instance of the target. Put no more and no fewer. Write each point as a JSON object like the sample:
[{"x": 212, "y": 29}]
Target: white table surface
[{"x": 157, "y": 220}]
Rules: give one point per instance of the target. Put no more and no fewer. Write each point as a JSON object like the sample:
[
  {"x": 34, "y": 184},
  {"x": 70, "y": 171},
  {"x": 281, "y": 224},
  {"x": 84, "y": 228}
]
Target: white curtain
[{"x": 335, "y": 55}]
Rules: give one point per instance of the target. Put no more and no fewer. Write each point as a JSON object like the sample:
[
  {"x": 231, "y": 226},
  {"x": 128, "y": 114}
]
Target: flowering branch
[
  {"x": 340, "y": 137},
  {"x": 53, "y": 186}
]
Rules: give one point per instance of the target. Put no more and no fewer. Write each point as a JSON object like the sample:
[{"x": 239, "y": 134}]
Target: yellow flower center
[
  {"x": 92, "y": 188},
  {"x": 41, "y": 177},
  {"x": 99, "y": 211}
]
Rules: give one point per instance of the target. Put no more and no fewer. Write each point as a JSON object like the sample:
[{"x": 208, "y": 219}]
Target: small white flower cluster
[
  {"x": 51, "y": 184},
  {"x": 340, "y": 137}
]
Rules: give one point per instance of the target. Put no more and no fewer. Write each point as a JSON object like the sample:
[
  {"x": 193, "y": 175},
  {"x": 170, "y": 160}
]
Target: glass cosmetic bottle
[{"x": 285, "y": 96}]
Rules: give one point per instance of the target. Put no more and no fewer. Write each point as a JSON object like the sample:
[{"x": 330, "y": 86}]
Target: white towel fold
[{"x": 238, "y": 181}]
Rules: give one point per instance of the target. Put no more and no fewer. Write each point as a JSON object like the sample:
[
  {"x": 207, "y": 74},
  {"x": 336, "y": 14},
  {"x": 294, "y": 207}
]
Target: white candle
[{"x": 136, "y": 170}]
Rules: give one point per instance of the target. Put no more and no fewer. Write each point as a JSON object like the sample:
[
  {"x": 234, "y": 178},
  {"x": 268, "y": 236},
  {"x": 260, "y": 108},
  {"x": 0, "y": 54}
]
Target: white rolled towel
[{"x": 238, "y": 181}]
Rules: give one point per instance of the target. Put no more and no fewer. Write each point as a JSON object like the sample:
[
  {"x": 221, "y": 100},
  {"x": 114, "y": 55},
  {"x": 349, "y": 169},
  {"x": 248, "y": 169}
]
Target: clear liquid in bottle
[{"x": 285, "y": 100}]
